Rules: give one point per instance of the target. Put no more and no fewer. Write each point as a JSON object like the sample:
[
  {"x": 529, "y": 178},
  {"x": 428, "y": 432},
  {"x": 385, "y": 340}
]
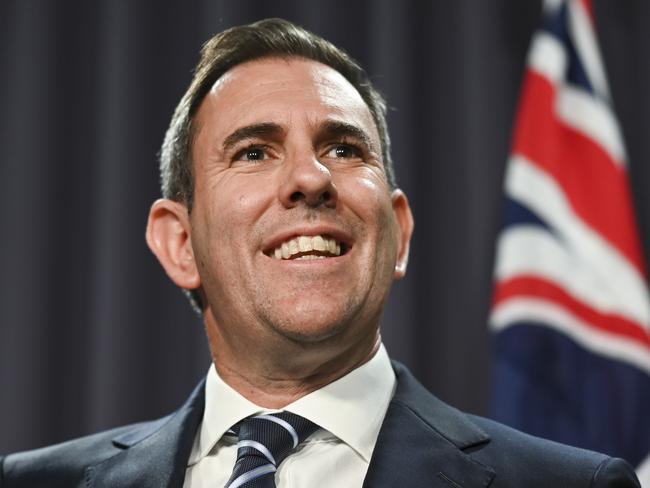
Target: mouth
[{"x": 308, "y": 247}]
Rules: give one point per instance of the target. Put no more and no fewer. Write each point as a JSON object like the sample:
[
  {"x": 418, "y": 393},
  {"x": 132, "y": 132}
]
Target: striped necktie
[{"x": 264, "y": 442}]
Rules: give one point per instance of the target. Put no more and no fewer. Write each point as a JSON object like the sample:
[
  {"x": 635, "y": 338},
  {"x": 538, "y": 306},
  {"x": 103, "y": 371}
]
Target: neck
[{"x": 281, "y": 375}]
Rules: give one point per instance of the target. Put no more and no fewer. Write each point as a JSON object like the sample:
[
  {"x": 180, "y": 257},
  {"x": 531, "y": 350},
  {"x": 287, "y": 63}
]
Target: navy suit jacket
[{"x": 422, "y": 443}]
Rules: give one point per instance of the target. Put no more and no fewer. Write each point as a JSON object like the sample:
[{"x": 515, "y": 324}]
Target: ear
[
  {"x": 404, "y": 220},
  {"x": 168, "y": 237}
]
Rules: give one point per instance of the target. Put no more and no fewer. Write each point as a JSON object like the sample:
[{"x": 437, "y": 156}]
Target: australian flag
[{"x": 571, "y": 308}]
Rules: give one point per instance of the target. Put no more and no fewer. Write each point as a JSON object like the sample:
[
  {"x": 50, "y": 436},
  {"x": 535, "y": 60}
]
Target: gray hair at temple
[{"x": 266, "y": 38}]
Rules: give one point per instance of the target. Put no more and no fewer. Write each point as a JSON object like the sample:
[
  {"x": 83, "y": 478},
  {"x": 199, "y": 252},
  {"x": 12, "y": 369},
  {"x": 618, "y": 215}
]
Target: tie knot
[
  {"x": 273, "y": 436},
  {"x": 264, "y": 442}
]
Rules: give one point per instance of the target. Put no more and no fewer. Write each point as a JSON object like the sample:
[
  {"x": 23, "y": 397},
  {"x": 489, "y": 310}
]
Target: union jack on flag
[{"x": 571, "y": 307}]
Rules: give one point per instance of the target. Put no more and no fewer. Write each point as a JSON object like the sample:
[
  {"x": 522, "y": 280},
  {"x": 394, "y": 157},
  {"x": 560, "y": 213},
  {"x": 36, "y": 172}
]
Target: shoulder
[
  {"x": 65, "y": 463},
  {"x": 148, "y": 454},
  {"x": 525, "y": 459},
  {"x": 508, "y": 457}
]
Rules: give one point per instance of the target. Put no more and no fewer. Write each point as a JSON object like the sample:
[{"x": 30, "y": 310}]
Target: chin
[{"x": 313, "y": 327}]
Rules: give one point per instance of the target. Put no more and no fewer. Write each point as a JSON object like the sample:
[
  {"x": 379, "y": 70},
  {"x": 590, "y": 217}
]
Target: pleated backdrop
[{"x": 94, "y": 335}]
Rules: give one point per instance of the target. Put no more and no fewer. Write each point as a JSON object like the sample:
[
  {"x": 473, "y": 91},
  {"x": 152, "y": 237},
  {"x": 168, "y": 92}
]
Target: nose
[{"x": 306, "y": 180}]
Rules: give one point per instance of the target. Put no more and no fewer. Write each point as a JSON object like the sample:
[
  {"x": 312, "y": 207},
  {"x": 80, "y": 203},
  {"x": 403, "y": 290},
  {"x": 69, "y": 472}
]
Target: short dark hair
[{"x": 266, "y": 38}]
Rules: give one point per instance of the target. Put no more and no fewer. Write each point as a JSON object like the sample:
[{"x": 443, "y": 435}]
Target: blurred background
[{"x": 93, "y": 334}]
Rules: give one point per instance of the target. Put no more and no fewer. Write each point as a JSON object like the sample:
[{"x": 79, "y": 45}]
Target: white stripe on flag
[
  {"x": 593, "y": 118},
  {"x": 584, "y": 39},
  {"x": 530, "y": 185},
  {"x": 575, "y": 107},
  {"x": 528, "y": 310},
  {"x": 547, "y": 57},
  {"x": 531, "y": 250}
]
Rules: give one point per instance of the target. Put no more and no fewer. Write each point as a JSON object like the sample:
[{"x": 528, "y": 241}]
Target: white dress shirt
[{"x": 349, "y": 411}]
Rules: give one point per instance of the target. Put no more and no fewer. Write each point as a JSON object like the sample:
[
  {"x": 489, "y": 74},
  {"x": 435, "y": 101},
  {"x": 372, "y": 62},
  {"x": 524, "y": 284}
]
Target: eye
[
  {"x": 251, "y": 154},
  {"x": 344, "y": 151}
]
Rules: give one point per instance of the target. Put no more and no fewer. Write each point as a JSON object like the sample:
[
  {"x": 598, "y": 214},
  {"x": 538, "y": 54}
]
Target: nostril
[
  {"x": 296, "y": 196},
  {"x": 312, "y": 199}
]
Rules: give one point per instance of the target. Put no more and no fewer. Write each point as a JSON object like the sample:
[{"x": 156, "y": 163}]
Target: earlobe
[
  {"x": 404, "y": 229},
  {"x": 168, "y": 237}
]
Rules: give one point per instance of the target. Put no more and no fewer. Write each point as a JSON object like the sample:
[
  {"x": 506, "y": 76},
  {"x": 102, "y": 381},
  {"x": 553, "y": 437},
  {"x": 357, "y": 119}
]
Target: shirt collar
[{"x": 352, "y": 408}]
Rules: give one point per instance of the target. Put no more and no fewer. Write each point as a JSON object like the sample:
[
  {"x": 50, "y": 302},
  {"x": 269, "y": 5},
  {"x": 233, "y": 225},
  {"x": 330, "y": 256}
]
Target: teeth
[
  {"x": 311, "y": 256},
  {"x": 303, "y": 244},
  {"x": 331, "y": 244},
  {"x": 293, "y": 247},
  {"x": 285, "y": 251},
  {"x": 319, "y": 243}
]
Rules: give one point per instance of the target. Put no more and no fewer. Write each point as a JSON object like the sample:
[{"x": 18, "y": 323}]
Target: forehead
[{"x": 285, "y": 91}]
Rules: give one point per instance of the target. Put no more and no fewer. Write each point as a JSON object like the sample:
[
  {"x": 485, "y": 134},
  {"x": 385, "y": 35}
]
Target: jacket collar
[
  {"x": 423, "y": 442},
  {"x": 154, "y": 454}
]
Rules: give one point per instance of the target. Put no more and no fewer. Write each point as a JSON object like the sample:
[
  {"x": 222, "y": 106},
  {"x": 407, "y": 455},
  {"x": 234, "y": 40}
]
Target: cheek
[
  {"x": 369, "y": 198},
  {"x": 234, "y": 198},
  {"x": 232, "y": 214}
]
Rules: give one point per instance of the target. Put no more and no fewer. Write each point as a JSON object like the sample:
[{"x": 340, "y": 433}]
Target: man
[{"x": 282, "y": 220}]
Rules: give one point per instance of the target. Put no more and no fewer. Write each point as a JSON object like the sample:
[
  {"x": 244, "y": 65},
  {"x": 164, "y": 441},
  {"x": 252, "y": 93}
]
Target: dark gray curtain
[{"x": 93, "y": 334}]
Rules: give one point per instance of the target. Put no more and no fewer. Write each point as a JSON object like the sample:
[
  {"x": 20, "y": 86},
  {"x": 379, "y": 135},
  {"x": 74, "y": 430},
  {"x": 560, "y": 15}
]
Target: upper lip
[{"x": 323, "y": 230}]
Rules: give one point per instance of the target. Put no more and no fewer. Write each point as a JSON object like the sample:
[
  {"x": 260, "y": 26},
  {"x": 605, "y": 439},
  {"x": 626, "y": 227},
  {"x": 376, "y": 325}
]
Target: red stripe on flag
[
  {"x": 596, "y": 187},
  {"x": 528, "y": 286}
]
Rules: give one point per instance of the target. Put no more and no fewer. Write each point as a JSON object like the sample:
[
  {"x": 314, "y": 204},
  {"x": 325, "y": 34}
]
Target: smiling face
[{"x": 294, "y": 230}]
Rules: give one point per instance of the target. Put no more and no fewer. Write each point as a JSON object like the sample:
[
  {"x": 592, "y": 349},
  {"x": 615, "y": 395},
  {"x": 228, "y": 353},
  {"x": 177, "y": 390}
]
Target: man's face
[{"x": 295, "y": 232}]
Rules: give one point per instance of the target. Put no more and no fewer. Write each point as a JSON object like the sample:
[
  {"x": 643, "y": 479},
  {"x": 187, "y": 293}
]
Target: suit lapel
[
  {"x": 422, "y": 443},
  {"x": 155, "y": 455}
]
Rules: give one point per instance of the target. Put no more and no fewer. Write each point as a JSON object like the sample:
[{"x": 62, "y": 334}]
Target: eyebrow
[
  {"x": 331, "y": 129},
  {"x": 335, "y": 129},
  {"x": 261, "y": 130}
]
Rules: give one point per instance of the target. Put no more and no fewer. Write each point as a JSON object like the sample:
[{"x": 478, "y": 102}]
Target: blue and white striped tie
[{"x": 264, "y": 442}]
